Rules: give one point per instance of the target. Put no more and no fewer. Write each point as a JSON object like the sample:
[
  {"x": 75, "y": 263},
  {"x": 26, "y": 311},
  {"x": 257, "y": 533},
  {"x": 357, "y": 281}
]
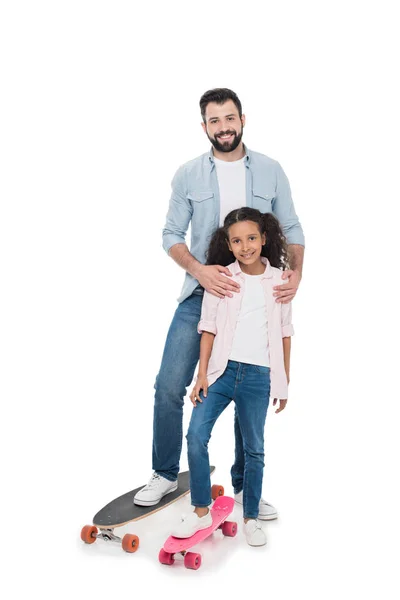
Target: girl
[{"x": 244, "y": 357}]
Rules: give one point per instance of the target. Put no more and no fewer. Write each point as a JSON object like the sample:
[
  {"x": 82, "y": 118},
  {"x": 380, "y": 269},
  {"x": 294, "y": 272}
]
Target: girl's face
[{"x": 246, "y": 241}]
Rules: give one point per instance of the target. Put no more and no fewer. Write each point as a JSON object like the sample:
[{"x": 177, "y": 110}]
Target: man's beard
[{"x": 227, "y": 146}]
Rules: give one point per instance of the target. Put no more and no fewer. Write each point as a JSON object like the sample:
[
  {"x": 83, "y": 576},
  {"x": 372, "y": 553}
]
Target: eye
[{"x": 252, "y": 238}]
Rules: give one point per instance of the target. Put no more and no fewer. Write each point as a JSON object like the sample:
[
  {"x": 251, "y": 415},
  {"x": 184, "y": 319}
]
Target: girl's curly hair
[{"x": 275, "y": 249}]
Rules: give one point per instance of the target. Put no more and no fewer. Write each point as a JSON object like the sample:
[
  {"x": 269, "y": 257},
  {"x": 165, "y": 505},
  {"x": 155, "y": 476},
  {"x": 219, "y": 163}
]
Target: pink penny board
[{"x": 221, "y": 509}]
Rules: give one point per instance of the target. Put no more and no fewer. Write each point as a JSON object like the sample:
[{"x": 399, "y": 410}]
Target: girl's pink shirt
[{"x": 219, "y": 316}]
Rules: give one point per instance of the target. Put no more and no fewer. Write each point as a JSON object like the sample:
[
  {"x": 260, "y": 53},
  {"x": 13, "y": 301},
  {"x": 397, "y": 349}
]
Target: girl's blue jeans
[{"x": 248, "y": 386}]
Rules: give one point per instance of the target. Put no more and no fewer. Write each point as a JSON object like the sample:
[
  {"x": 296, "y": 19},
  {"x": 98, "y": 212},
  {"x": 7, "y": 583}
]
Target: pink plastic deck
[{"x": 221, "y": 509}]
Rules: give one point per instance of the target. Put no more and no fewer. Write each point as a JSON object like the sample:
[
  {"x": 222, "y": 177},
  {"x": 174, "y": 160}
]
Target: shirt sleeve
[
  {"x": 287, "y": 327},
  {"x": 283, "y": 209},
  {"x": 179, "y": 213},
  {"x": 208, "y": 319}
]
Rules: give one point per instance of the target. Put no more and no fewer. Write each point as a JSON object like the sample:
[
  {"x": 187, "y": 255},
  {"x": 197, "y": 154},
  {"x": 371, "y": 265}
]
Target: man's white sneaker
[
  {"x": 190, "y": 524},
  {"x": 266, "y": 512},
  {"x": 152, "y": 493},
  {"x": 255, "y": 536}
]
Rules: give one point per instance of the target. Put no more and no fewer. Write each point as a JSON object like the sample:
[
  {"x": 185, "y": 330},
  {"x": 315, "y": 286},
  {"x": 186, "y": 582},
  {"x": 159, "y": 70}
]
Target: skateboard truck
[
  {"x": 108, "y": 536},
  {"x": 90, "y": 533}
]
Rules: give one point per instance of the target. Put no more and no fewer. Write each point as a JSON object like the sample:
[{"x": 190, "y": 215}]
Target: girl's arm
[
  {"x": 206, "y": 345},
  {"x": 287, "y": 332},
  {"x": 286, "y": 355}
]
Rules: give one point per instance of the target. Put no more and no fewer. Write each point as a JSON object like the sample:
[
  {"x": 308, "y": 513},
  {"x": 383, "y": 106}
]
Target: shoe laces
[
  {"x": 255, "y": 524},
  {"x": 154, "y": 481}
]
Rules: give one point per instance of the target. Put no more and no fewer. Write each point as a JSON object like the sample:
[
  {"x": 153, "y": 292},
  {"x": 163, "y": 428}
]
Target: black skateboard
[{"x": 122, "y": 511}]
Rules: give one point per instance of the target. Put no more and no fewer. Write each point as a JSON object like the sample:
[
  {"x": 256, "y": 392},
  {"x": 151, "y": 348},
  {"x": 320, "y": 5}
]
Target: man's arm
[
  {"x": 283, "y": 209},
  {"x": 212, "y": 278},
  {"x": 296, "y": 258}
]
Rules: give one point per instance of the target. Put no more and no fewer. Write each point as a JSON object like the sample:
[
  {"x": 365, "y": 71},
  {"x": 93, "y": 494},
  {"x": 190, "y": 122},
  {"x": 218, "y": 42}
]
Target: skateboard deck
[
  {"x": 221, "y": 509},
  {"x": 122, "y": 510}
]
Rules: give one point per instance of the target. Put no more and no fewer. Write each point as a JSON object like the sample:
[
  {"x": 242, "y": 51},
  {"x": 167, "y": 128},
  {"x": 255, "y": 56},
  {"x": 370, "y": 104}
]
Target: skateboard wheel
[
  {"x": 166, "y": 558},
  {"x": 192, "y": 560},
  {"x": 88, "y": 534},
  {"x": 229, "y": 528},
  {"x": 216, "y": 491},
  {"x": 130, "y": 542}
]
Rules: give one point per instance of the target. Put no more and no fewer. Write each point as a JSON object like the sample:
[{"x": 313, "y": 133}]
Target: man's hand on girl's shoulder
[
  {"x": 285, "y": 292},
  {"x": 216, "y": 280},
  {"x": 282, "y": 404}
]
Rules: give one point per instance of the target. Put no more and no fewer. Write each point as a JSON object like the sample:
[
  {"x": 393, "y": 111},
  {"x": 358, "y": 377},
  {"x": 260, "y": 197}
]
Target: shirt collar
[
  {"x": 236, "y": 270},
  {"x": 247, "y": 157}
]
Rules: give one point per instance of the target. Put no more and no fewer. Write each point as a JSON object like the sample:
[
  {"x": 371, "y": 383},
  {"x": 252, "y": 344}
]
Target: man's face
[{"x": 223, "y": 126}]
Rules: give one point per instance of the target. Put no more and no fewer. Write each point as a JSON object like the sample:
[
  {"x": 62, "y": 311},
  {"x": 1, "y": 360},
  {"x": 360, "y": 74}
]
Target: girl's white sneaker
[
  {"x": 190, "y": 524},
  {"x": 255, "y": 536}
]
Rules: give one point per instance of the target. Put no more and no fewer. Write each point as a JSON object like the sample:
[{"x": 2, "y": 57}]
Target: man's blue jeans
[
  {"x": 248, "y": 386},
  {"x": 180, "y": 357}
]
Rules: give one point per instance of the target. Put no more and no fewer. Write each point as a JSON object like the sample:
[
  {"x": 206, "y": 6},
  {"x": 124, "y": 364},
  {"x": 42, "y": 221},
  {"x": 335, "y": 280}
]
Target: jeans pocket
[{"x": 262, "y": 370}]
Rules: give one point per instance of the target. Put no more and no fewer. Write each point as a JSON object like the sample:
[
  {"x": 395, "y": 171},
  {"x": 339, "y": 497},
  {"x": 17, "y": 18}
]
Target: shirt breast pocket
[
  {"x": 203, "y": 206},
  {"x": 262, "y": 200}
]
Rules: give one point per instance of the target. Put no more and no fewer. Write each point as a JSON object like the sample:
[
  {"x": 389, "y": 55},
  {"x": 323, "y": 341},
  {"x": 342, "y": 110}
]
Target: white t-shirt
[
  {"x": 232, "y": 185},
  {"x": 250, "y": 342}
]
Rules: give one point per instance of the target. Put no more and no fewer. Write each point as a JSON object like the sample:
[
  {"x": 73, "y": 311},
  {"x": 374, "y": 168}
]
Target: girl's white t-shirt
[
  {"x": 232, "y": 185},
  {"x": 250, "y": 342}
]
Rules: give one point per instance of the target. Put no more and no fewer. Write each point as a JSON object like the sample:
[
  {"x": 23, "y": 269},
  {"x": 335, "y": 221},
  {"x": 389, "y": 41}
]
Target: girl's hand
[
  {"x": 201, "y": 384},
  {"x": 282, "y": 404}
]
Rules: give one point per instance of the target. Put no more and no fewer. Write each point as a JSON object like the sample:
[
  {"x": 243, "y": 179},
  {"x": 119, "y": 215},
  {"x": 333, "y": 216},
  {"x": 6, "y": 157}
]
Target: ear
[
  {"x": 264, "y": 239},
  {"x": 204, "y": 127},
  {"x": 229, "y": 246},
  {"x": 243, "y": 120}
]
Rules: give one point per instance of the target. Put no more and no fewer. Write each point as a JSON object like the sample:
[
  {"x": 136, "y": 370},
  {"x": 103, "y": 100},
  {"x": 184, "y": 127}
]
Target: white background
[{"x": 99, "y": 107}]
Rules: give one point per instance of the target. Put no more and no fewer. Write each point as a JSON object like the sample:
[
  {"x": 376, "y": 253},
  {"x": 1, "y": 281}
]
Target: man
[{"x": 204, "y": 191}]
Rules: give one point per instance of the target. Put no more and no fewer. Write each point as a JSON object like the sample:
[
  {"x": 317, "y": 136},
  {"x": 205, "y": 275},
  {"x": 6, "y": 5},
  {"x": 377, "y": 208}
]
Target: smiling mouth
[
  {"x": 249, "y": 255},
  {"x": 225, "y": 137}
]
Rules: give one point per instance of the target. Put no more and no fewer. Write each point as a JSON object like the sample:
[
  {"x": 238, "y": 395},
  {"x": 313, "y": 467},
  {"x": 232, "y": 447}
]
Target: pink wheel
[
  {"x": 88, "y": 534},
  {"x": 166, "y": 558},
  {"x": 192, "y": 560},
  {"x": 229, "y": 528}
]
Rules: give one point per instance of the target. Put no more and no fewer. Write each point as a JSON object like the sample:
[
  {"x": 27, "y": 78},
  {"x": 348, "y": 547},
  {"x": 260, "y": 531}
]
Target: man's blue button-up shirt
[{"x": 195, "y": 201}]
